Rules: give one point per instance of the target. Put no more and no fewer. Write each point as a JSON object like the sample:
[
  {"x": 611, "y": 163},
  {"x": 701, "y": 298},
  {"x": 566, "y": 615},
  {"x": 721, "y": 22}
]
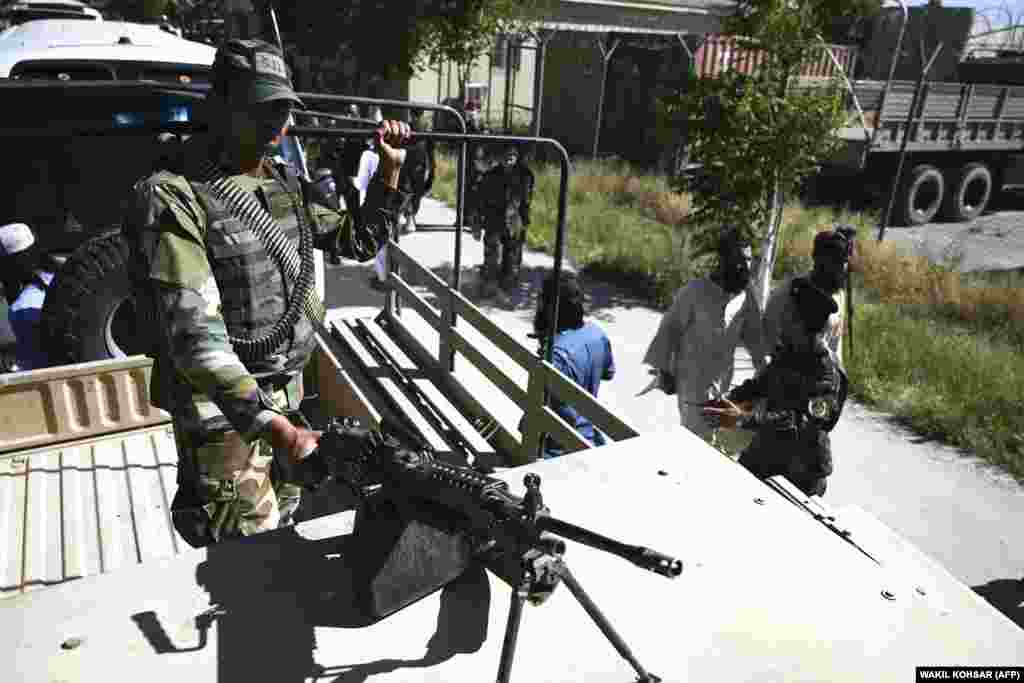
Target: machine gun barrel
[
  {"x": 356, "y": 457},
  {"x": 642, "y": 557}
]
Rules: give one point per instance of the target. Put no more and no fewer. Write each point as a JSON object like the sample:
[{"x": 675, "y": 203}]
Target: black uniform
[
  {"x": 797, "y": 400},
  {"x": 505, "y": 203}
]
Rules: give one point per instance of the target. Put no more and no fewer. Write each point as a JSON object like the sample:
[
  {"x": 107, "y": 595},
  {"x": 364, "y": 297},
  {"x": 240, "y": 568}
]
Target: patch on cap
[
  {"x": 15, "y": 238},
  {"x": 271, "y": 64},
  {"x": 253, "y": 71}
]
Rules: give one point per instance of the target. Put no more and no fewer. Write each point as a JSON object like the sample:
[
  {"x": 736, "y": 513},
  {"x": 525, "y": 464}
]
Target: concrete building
[{"x": 588, "y": 74}]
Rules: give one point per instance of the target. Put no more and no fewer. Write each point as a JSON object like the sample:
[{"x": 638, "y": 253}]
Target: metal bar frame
[
  {"x": 912, "y": 116},
  {"x": 506, "y": 121},
  {"x": 460, "y": 183},
  {"x": 563, "y": 200},
  {"x": 606, "y": 58},
  {"x": 540, "y": 56},
  {"x": 892, "y": 66}
]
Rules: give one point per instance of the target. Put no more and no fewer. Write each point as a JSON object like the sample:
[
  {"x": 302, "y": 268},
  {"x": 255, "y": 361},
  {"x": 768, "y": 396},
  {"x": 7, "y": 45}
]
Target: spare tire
[{"x": 90, "y": 312}]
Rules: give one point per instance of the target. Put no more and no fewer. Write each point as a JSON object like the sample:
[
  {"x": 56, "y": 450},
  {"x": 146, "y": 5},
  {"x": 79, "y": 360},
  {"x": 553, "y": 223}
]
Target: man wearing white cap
[{"x": 26, "y": 277}]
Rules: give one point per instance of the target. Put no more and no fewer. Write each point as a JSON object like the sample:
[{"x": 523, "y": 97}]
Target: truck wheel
[
  {"x": 921, "y": 196},
  {"x": 89, "y": 313},
  {"x": 969, "y": 192}
]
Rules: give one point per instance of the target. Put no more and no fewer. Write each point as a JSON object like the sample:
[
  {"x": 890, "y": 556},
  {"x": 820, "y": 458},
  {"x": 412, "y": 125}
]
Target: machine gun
[{"x": 422, "y": 522}]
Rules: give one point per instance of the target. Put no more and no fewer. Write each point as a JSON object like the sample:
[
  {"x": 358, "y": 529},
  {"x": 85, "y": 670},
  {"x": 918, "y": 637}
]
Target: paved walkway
[{"x": 961, "y": 511}]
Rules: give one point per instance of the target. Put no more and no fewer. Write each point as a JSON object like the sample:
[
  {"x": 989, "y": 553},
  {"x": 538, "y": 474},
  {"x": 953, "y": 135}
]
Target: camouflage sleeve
[
  {"x": 187, "y": 300},
  {"x": 359, "y": 234}
]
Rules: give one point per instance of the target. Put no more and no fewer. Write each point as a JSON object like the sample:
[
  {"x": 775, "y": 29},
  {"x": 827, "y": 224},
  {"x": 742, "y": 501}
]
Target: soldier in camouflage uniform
[
  {"x": 212, "y": 282},
  {"x": 505, "y": 193}
]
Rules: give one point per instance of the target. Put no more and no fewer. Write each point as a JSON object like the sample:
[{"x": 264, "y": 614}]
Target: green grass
[
  {"x": 941, "y": 350},
  {"x": 620, "y": 225},
  {"x": 948, "y": 382}
]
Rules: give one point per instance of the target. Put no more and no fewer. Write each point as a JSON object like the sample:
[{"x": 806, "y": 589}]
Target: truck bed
[
  {"x": 948, "y": 117},
  {"x": 86, "y": 507},
  {"x": 88, "y": 470}
]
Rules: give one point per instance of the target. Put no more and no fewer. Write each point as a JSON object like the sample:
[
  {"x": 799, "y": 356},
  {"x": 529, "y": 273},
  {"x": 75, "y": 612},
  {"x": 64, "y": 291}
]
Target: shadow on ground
[
  {"x": 347, "y": 284},
  {"x": 600, "y": 297},
  {"x": 1007, "y": 596}
]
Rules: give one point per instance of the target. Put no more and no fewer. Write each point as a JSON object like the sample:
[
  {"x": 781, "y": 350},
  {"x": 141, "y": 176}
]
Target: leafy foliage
[
  {"x": 767, "y": 131},
  {"x": 463, "y": 30},
  {"x": 759, "y": 139}
]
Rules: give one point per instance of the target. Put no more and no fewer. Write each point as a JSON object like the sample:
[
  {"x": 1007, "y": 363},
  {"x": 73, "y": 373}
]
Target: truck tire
[
  {"x": 921, "y": 196},
  {"x": 89, "y": 313},
  {"x": 969, "y": 192}
]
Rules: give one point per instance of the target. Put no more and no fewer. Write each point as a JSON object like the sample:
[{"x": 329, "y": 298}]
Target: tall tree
[{"x": 760, "y": 133}]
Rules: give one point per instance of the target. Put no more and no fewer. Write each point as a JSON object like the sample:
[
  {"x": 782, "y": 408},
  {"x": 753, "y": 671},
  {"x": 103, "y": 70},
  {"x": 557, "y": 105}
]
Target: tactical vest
[
  {"x": 254, "y": 291},
  {"x": 505, "y": 195}
]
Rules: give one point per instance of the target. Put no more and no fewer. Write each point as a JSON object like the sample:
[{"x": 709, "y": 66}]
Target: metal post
[
  {"x": 490, "y": 86},
  {"x": 440, "y": 80},
  {"x": 460, "y": 197},
  {"x": 606, "y": 57},
  {"x": 538, "y": 80},
  {"x": 518, "y": 51},
  {"x": 903, "y": 143},
  {"x": 549, "y": 341},
  {"x": 895, "y": 59},
  {"x": 507, "y": 115}
]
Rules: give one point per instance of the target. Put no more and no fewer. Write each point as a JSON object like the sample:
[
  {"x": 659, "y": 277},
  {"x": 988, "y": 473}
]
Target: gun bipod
[
  {"x": 541, "y": 573},
  {"x": 542, "y": 567}
]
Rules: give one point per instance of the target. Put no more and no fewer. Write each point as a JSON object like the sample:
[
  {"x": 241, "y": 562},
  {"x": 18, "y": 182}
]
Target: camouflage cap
[{"x": 252, "y": 72}]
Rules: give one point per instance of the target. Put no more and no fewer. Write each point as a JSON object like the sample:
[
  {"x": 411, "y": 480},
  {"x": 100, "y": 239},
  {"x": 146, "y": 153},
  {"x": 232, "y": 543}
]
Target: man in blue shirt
[
  {"x": 581, "y": 352},
  {"x": 26, "y": 277}
]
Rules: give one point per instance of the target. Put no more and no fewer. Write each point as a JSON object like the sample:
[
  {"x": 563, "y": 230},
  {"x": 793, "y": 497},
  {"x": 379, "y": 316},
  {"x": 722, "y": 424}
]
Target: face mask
[{"x": 735, "y": 277}]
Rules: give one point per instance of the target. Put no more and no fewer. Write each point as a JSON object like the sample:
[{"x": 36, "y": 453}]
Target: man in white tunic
[{"x": 694, "y": 348}]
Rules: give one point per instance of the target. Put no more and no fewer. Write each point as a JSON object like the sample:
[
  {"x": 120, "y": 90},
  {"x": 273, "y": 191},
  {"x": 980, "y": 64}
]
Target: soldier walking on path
[{"x": 505, "y": 192}]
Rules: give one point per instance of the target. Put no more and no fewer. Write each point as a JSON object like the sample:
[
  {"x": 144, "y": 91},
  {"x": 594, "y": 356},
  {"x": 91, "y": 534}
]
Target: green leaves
[
  {"x": 772, "y": 130},
  {"x": 463, "y": 30}
]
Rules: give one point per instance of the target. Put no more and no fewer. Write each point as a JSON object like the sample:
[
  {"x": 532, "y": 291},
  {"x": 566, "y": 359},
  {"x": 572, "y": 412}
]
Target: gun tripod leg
[
  {"x": 508, "y": 647},
  {"x": 606, "y": 627}
]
